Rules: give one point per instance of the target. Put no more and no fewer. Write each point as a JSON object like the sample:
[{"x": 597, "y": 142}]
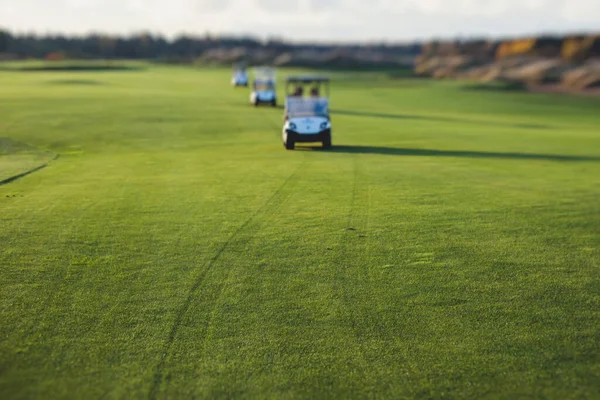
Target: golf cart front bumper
[{"x": 308, "y": 137}]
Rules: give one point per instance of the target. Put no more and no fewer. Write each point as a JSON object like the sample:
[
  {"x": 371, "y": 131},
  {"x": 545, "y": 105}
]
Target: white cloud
[
  {"x": 587, "y": 11},
  {"x": 304, "y": 19}
]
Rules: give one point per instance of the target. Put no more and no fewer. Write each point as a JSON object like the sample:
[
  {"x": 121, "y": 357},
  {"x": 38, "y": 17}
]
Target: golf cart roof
[
  {"x": 307, "y": 79},
  {"x": 265, "y": 70},
  {"x": 265, "y": 74}
]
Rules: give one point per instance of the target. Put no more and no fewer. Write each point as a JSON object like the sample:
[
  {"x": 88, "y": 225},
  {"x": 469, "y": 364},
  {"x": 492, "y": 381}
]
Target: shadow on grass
[
  {"x": 391, "y": 68},
  {"x": 29, "y": 172},
  {"x": 389, "y": 84},
  {"x": 76, "y": 82},
  {"x": 75, "y": 68},
  {"x": 394, "y": 151},
  {"x": 496, "y": 87},
  {"x": 436, "y": 119}
]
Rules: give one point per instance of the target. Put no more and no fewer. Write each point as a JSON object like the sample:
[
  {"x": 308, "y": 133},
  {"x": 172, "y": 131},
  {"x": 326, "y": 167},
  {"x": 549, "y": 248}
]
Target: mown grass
[{"x": 448, "y": 247}]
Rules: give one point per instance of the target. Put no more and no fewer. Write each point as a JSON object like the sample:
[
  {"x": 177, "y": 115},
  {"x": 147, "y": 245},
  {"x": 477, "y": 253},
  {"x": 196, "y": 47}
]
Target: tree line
[{"x": 149, "y": 46}]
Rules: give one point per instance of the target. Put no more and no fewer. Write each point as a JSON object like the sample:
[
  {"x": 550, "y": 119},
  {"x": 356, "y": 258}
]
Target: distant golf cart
[
  {"x": 240, "y": 75},
  {"x": 307, "y": 112},
  {"x": 263, "y": 87}
]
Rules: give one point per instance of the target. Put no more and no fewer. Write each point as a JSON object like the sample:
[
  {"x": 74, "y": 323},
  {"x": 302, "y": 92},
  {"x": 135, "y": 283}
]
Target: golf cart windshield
[
  {"x": 263, "y": 85},
  {"x": 307, "y": 96},
  {"x": 307, "y": 107}
]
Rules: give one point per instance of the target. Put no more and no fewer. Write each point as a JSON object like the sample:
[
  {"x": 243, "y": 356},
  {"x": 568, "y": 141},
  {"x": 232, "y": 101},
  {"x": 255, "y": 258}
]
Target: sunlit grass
[{"x": 448, "y": 247}]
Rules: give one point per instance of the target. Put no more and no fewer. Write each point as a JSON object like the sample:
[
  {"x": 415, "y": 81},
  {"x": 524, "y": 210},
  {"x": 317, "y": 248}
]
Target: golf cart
[
  {"x": 240, "y": 75},
  {"x": 263, "y": 87},
  {"x": 307, "y": 112}
]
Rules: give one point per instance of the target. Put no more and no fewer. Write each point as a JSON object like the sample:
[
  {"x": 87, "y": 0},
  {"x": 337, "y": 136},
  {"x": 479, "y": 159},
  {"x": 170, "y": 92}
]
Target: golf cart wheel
[
  {"x": 274, "y": 103},
  {"x": 289, "y": 145},
  {"x": 327, "y": 142}
]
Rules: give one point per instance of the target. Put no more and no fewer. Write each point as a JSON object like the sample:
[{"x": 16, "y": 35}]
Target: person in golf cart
[
  {"x": 298, "y": 91},
  {"x": 306, "y": 118}
]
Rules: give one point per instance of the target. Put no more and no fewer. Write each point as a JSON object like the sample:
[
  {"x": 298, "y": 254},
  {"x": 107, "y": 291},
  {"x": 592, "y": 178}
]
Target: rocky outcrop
[
  {"x": 584, "y": 77},
  {"x": 569, "y": 61},
  {"x": 539, "y": 71}
]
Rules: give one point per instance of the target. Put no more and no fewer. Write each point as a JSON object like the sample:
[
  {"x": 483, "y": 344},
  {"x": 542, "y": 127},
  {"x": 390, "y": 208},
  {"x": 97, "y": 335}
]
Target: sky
[{"x": 305, "y": 20}]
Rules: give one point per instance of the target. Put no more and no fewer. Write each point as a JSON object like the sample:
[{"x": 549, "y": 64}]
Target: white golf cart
[
  {"x": 307, "y": 112},
  {"x": 263, "y": 87},
  {"x": 240, "y": 75}
]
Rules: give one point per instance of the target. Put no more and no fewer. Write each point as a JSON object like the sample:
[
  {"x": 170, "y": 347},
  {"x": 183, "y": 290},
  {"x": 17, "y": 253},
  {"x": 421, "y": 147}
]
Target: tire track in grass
[
  {"x": 282, "y": 193},
  {"x": 352, "y": 258},
  {"x": 244, "y": 238},
  {"x": 355, "y": 258},
  {"x": 279, "y": 197}
]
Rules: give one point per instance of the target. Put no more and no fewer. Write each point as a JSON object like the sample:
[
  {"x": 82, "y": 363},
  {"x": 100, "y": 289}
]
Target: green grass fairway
[{"x": 448, "y": 247}]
